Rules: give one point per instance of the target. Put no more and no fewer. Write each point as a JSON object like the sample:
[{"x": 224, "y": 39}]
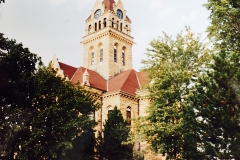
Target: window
[
  {"x": 117, "y": 24},
  {"x": 129, "y": 115},
  {"x": 99, "y": 25},
  {"x": 105, "y": 22},
  {"x": 95, "y": 26},
  {"x": 110, "y": 108},
  {"x": 123, "y": 58},
  {"x": 101, "y": 54},
  {"x": 92, "y": 57},
  {"x": 115, "y": 54},
  {"x": 121, "y": 27},
  {"x": 113, "y": 23}
]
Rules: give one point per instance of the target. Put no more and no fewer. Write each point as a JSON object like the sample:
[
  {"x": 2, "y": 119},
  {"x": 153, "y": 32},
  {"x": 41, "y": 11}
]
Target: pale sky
[{"x": 49, "y": 27}]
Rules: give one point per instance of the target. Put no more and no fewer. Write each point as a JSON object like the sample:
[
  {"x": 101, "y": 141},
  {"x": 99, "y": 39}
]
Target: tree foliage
[
  {"x": 42, "y": 115},
  {"x": 111, "y": 139},
  {"x": 218, "y": 93},
  {"x": 173, "y": 65}
]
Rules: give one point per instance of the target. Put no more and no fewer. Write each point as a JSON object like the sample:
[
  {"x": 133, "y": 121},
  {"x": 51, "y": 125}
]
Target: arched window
[
  {"x": 89, "y": 29},
  {"x": 117, "y": 24},
  {"x": 101, "y": 53},
  {"x": 92, "y": 57},
  {"x": 110, "y": 108},
  {"x": 115, "y": 53},
  {"x": 123, "y": 56},
  {"x": 121, "y": 27},
  {"x": 112, "y": 22},
  {"x": 95, "y": 26},
  {"x": 99, "y": 25},
  {"x": 129, "y": 116},
  {"x": 105, "y": 22}
]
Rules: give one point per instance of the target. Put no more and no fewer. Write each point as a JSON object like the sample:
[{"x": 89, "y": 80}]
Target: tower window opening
[
  {"x": 95, "y": 26},
  {"x": 113, "y": 23},
  {"x": 115, "y": 54},
  {"x": 99, "y": 25},
  {"x": 92, "y": 58},
  {"x": 121, "y": 27},
  {"x": 117, "y": 24},
  {"x": 105, "y": 22},
  {"x": 128, "y": 115},
  {"x": 89, "y": 28},
  {"x": 101, "y": 54},
  {"x": 123, "y": 58}
]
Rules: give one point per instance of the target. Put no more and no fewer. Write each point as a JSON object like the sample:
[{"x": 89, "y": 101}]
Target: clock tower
[{"x": 107, "y": 41}]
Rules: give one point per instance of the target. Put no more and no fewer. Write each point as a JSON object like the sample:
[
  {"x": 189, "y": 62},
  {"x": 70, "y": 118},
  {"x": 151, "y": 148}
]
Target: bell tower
[{"x": 107, "y": 41}]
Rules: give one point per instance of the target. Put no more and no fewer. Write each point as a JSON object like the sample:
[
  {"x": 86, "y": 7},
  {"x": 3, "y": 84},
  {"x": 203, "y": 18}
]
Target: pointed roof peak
[{"x": 108, "y": 4}]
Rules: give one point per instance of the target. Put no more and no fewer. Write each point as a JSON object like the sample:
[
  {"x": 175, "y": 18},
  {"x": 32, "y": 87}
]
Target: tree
[
  {"x": 42, "y": 115},
  {"x": 217, "y": 95},
  {"x": 17, "y": 67},
  {"x": 172, "y": 125},
  {"x": 116, "y": 131}
]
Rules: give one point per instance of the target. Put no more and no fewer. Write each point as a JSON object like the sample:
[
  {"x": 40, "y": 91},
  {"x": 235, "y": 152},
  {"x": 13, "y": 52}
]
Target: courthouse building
[{"x": 107, "y": 63}]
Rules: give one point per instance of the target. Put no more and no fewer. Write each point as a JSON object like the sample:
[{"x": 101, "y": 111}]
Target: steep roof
[
  {"x": 126, "y": 81},
  {"x": 108, "y": 4},
  {"x": 95, "y": 79},
  {"x": 67, "y": 70}
]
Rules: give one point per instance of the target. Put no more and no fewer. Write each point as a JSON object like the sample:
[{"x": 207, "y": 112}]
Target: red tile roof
[
  {"x": 126, "y": 81},
  {"x": 108, "y": 4},
  {"x": 95, "y": 80},
  {"x": 67, "y": 70},
  {"x": 142, "y": 78}
]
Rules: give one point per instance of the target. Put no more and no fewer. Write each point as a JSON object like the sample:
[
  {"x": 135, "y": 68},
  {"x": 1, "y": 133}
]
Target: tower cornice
[{"x": 108, "y": 31}]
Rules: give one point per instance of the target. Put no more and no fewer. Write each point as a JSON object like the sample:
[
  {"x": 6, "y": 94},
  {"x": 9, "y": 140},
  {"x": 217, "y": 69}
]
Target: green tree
[
  {"x": 17, "y": 67},
  {"x": 172, "y": 125},
  {"x": 116, "y": 131},
  {"x": 60, "y": 111},
  {"x": 217, "y": 95},
  {"x": 41, "y": 115}
]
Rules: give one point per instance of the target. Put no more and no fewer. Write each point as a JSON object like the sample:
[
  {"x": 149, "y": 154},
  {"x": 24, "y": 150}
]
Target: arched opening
[
  {"x": 112, "y": 22},
  {"x": 128, "y": 115},
  {"x": 110, "y": 108},
  {"x": 105, "y": 22},
  {"x": 121, "y": 27},
  {"x": 115, "y": 52},
  {"x": 89, "y": 28},
  {"x": 101, "y": 53},
  {"x": 117, "y": 24},
  {"x": 99, "y": 25},
  {"x": 95, "y": 27},
  {"x": 92, "y": 57},
  {"x": 123, "y": 56}
]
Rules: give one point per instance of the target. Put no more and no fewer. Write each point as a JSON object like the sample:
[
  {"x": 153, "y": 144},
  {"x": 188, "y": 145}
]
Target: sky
[{"x": 49, "y": 27}]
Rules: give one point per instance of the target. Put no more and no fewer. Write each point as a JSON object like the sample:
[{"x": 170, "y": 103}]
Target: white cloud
[
  {"x": 57, "y": 2},
  {"x": 166, "y": 13}
]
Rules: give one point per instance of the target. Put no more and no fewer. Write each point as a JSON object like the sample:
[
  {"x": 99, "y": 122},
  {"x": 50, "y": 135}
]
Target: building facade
[{"x": 107, "y": 63}]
